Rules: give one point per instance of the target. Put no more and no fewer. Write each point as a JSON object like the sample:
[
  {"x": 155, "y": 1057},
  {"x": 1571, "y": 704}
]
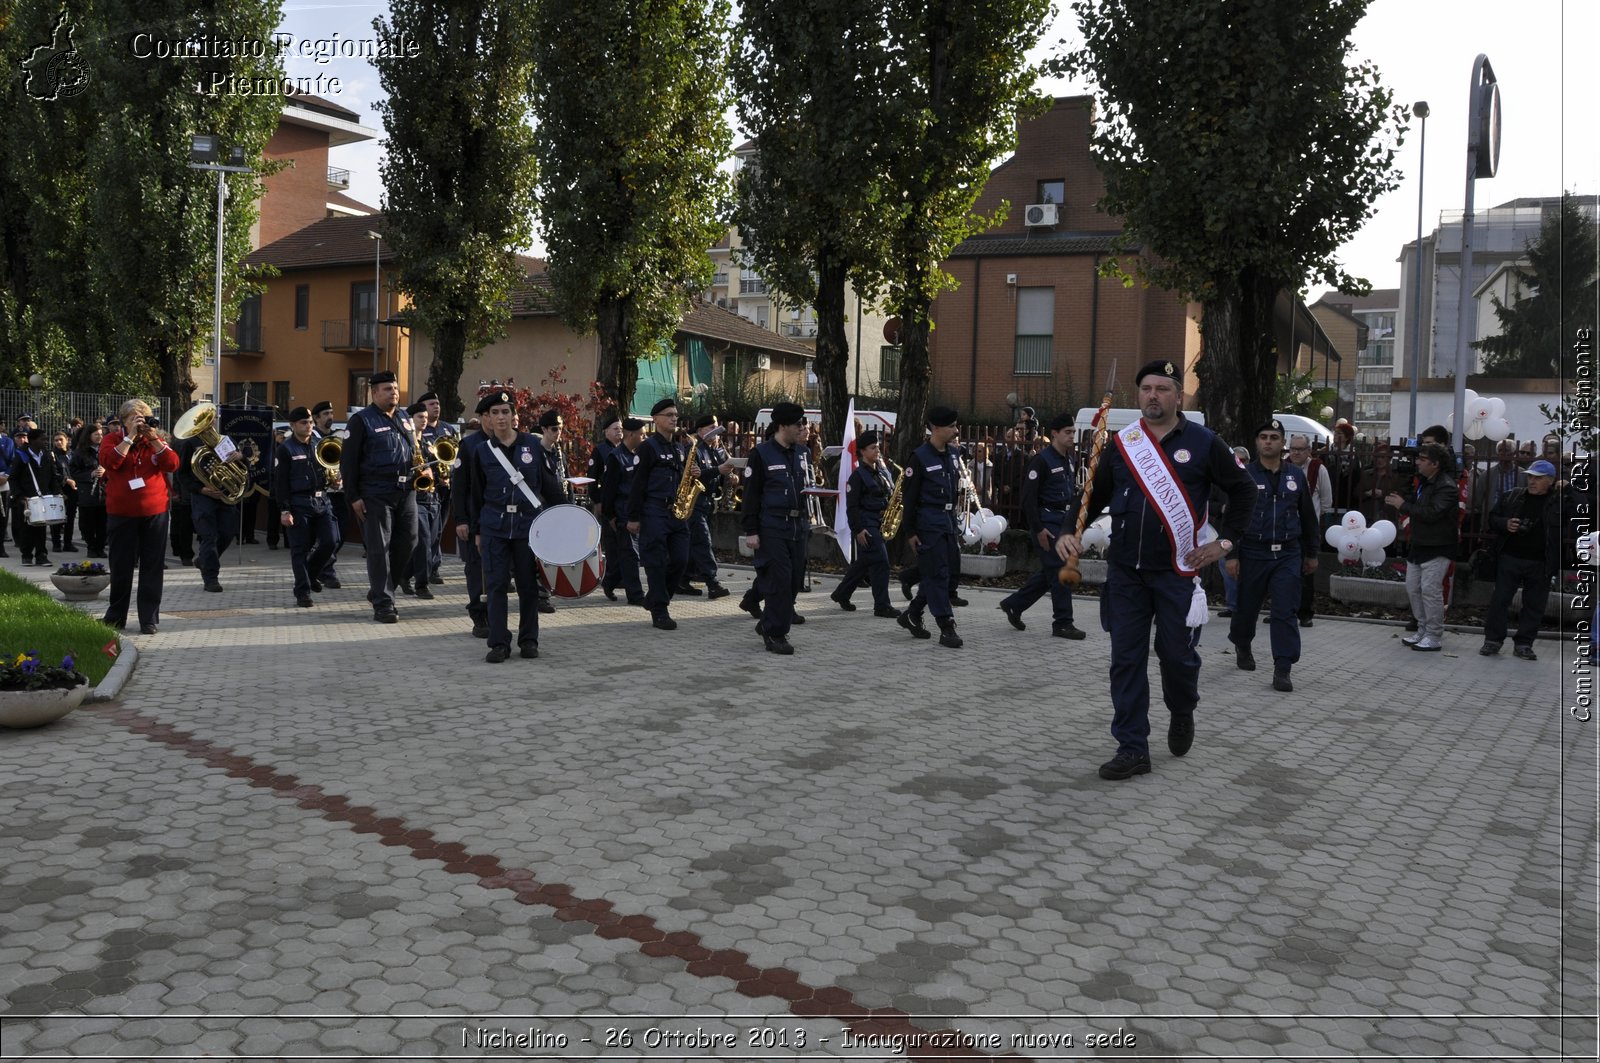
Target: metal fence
[{"x": 52, "y": 410}]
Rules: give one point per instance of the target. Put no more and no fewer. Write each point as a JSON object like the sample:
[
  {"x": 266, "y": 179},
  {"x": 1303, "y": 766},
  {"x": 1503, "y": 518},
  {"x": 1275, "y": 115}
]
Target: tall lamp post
[
  {"x": 1419, "y": 109},
  {"x": 377, "y": 264},
  {"x": 1483, "y": 159},
  {"x": 204, "y": 151}
]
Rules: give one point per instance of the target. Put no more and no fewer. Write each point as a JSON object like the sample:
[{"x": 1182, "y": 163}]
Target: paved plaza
[{"x": 297, "y": 833}]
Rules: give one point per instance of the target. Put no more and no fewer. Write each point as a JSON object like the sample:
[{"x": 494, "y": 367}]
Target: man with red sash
[{"x": 1155, "y": 479}]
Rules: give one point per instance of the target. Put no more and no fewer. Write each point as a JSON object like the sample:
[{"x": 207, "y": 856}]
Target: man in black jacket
[{"x": 1528, "y": 520}]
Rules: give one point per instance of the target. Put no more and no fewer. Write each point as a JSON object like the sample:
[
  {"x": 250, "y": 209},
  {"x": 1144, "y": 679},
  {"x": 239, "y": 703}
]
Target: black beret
[
  {"x": 663, "y": 405},
  {"x": 632, "y": 424},
  {"x": 548, "y": 418},
  {"x": 1160, "y": 367},
  {"x": 788, "y": 413},
  {"x": 427, "y": 396},
  {"x": 385, "y": 377},
  {"x": 705, "y": 420},
  {"x": 299, "y": 413},
  {"x": 606, "y": 420},
  {"x": 416, "y": 408},
  {"x": 1060, "y": 421},
  {"x": 866, "y": 439},
  {"x": 494, "y": 398},
  {"x": 942, "y": 417},
  {"x": 1271, "y": 424},
  {"x": 321, "y": 407}
]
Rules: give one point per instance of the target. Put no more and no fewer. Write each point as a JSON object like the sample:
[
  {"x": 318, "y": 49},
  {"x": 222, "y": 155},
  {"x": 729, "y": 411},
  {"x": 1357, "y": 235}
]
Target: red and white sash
[{"x": 1152, "y": 471}]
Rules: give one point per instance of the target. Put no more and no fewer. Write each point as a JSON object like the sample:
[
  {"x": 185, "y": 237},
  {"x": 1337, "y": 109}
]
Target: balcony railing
[
  {"x": 341, "y": 336},
  {"x": 755, "y": 286},
  {"x": 338, "y": 178}
]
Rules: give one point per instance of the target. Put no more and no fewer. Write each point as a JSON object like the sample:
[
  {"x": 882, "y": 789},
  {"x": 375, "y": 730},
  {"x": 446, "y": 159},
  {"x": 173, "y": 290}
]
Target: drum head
[{"x": 564, "y": 535}]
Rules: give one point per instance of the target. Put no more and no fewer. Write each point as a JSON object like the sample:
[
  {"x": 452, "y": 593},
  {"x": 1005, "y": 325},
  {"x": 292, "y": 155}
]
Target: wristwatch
[{"x": 1226, "y": 544}]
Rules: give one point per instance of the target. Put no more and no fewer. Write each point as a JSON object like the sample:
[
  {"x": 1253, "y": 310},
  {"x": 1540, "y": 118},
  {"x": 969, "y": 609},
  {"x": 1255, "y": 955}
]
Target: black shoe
[
  {"x": 1280, "y": 681},
  {"x": 1305, "y": 621},
  {"x": 1125, "y": 766},
  {"x": 405, "y": 585},
  {"x": 316, "y": 586},
  {"x": 887, "y": 612},
  {"x": 68, "y": 549},
  {"x": 1180, "y": 734},
  {"x": 1067, "y": 631},
  {"x": 480, "y": 631},
  {"x": 272, "y": 546},
  {"x": 497, "y": 654},
  {"x": 958, "y": 601},
  {"x": 188, "y": 562},
  {"x": 1225, "y": 613},
  {"x": 386, "y": 616},
  {"x": 96, "y": 553},
  {"x": 147, "y": 629},
  {"x": 688, "y": 591},
  {"x": 332, "y": 584},
  {"x": 749, "y": 605},
  {"x": 213, "y": 586},
  {"x": 715, "y": 591},
  {"x": 434, "y": 577},
  {"x": 251, "y": 542},
  {"x": 664, "y": 622},
  {"x": 843, "y": 603},
  {"x": 637, "y": 601},
  {"x": 120, "y": 625},
  {"x": 304, "y": 602},
  {"x": 423, "y": 591},
  {"x": 948, "y": 637},
  {"x": 913, "y": 624},
  {"x": 796, "y": 618},
  {"x": 1524, "y": 653},
  {"x": 1014, "y": 616},
  {"x": 530, "y": 650},
  {"x": 609, "y": 592},
  {"x": 545, "y": 606},
  {"x": 777, "y": 644},
  {"x": 1488, "y": 649},
  {"x": 906, "y": 591},
  {"x": 1244, "y": 658}
]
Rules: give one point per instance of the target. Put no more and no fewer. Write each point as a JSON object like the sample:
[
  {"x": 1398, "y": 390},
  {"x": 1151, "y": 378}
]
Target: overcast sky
[{"x": 1542, "y": 52}]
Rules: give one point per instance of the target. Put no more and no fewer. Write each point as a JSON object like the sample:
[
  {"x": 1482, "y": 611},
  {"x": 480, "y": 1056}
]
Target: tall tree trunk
[
  {"x": 449, "y": 358},
  {"x": 915, "y": 377},
  {"x": 1258, "y": 353},
  {"x": 1239, "y": 360},
  {"x": 833, "y": 348},
  {"x": 176, "y": 380},
  {"x": 619, "y": 369}
]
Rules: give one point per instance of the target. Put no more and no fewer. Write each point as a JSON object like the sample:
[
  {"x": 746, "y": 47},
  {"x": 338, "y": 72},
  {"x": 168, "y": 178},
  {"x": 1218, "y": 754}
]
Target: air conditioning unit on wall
[
  {"x": 763, "y": 362},
  {"x": 1041, "y": 214}
]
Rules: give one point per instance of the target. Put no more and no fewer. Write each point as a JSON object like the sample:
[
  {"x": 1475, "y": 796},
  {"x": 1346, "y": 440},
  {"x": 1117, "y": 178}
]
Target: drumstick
[{"x": 1069, "y": 572}]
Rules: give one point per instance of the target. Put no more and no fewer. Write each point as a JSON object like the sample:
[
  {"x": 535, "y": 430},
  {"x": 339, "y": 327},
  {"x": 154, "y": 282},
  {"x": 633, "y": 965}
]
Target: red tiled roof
[
  {"x": 329, "y": 242},
  {"x": 713, "y": 322}
]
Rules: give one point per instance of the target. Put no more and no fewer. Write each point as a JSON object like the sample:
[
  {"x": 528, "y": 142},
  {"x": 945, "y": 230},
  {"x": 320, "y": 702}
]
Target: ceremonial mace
[{"x": 1069, "y": 572}]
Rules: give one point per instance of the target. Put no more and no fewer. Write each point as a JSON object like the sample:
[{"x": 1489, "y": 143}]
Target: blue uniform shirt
[
  {"x": 655, "y": 481},
  {"x": 498, "y": 507},
  {"x": 1283, "y": 520},
  {"x": 933, "y": 482},
  {"x": 1049, "y": 491},
  {"x": 866, "y": 496},
  {"x": 297, "y": 478},
  {"x": 773, "y": 501},
  {"x": 378, "y": 452}
]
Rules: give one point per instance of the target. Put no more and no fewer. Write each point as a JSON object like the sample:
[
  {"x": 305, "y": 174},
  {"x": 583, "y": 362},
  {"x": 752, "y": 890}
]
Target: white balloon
[
  {"x": 1334, "y": 536},
  {"x": 1371, "y": 539},
  {"x": 1388, "y": 529},
  {"x": 985, "y": 514},
  {"x": 1096, "y": 537},
  {"x": 1000, "y": 525},
  {"x": 1471, "y": 396},
  {"x": 1496, "y": 428},
  {"x": 1479, "y": 411},
  {"x": 1350, "y": 551},
  {"x": 1374, "y": 557},
  {"x": 1474, "y": 429},
  {"x": 1450, "y": 420},
  {"x": 1354, "y": 520},
  {"x": 1497, "y": 407}
]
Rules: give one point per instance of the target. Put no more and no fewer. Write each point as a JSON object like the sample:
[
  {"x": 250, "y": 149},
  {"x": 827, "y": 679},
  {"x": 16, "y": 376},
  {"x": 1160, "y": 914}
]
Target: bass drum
[{"x": 565, "y": 540}]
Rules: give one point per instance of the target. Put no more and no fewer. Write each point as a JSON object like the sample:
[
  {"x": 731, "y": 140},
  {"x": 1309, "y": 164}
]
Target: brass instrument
[
  {"x": 327, "y": 452},
  {"x": 422, "y": 478},
  {"x": 895, "y": 510},
  {"x": 229, "y": 479},
  {"x": 444, "y": 452},
  {"x": 689, "y": 487}
]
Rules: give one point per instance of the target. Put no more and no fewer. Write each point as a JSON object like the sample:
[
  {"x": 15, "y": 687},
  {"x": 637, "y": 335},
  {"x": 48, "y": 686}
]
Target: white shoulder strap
[{"x": 516, "y": 477}]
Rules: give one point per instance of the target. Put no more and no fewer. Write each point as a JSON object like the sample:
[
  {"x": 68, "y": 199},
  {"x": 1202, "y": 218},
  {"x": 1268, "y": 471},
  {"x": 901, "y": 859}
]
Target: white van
[
  {"x": 871, "y": 420},
  {"x": 1117, "y": 418}
]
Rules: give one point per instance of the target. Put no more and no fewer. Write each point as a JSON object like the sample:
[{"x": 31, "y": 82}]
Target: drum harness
[{"x": 516, "y": 477}]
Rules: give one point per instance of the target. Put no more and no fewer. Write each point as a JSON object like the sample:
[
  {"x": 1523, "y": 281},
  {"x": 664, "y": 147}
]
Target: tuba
[
  {"x": 689, "y": 487},
  {"x": 895, "y": 510},
  {"x": 229, "y": 479}
]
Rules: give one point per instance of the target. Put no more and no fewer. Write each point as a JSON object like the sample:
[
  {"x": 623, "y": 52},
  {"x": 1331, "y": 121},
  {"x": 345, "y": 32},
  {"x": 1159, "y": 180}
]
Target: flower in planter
[
  {"x": 81, "y": 568},
  {"x": 26, "y": 671}
]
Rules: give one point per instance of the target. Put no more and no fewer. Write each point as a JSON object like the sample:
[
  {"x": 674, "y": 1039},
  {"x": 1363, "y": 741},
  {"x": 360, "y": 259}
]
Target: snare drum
[
  {"x": 47, "y": 509},
  {"x": 565, "y": 541}
]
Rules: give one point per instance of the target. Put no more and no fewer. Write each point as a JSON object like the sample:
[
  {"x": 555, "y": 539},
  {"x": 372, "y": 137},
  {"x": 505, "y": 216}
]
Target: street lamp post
[
  {"x": 1420, "y": 109},
  {"x": 377, "y": 265},
  {"x": 1483, "y": 159},
  {"x": 204, "y": 151}
]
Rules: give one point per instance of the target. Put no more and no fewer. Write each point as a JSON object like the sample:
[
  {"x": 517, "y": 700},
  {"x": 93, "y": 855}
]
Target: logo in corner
[{"x": 56, "y": 70}]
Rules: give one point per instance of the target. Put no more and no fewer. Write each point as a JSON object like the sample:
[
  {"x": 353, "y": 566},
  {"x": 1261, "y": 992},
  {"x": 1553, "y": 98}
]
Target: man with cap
[
  {"x": 33, "y": 473},
  {"x": 866, "y": 496},
  {"x": 375, "y": 465},
  {"x": 1049, "y": 500},
  {"x": 551, "y": 426},
  {"x": 508, "y": 483},
  {"x": 430, "y": 511},
  {"x": 1278, "y": 548},
  {"x": 712, "y": 464},
  {"x": 663, "y": 539},
  {"x": 437, "y": 428},
  {"x": 216, "y": 522},
  {"x": 456, "y": 514},
  {"x": 622, "y": 563},
  {"x": 322, "y": 428},
  {"x": 610, "y": 426},
  {"x": 933, "y": 484},
  {"x": 300, "y": 488},
  {"x": 1155, "y": 479},
  {"x": 777, "y": 525},
  {"x": 1529, "y": 522}
]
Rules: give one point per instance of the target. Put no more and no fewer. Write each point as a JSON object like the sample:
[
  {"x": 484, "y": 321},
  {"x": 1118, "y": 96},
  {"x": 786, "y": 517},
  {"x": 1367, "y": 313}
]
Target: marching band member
[
  {"x": 429, "y": 511},
  {"x": 375, "y": 465},
  {"x": 466, "y": 549},
  {"x": 663, "y": 539},
  {"x": 610, "y": 426},
  {"x": 933, "y": 483},
  {"x": 436, "y": 430},
  {"x": 551, "y": 426},
  {"x": 1049, "y": 497},
  {"x": 866, "y": 495},
  {"x": 777, "y": 525},
  {"x": 501, "y": 506},
  {"x": 322, "y": 428},
  {"x": 300, "y": 488},
  {"x": 616, "y": 489},
  {"x": 712, "y": 463},
  {"x": 216, "y": 522}
]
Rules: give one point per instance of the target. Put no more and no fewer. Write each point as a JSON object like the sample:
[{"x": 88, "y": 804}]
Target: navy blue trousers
[
  {"x": 429, "y": 523},
  {"x": 780, "y": 570},
  {"x": 871, "y": 563},
  {"x": 1278, "y": 575},
  {"x": 1046, "y": 579},
  {"x": 939, "y": 560},
  {"x": 472, "y": 566},
  {"x": 503, "y": 561},
  {"x": 1131, "y": 599},
  {"x": 311, "y": 543},
  {"x": 216, "y": 524},
  {"x": 664, "y": 550},
  {"x": 702, "y": 561},
  {"x": 390, "y": 531}
]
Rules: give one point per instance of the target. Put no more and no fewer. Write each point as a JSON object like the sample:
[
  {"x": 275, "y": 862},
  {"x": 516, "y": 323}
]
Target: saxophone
[
  {"x": 689, "y": 486},
  {"x": 895, "y": 510}
]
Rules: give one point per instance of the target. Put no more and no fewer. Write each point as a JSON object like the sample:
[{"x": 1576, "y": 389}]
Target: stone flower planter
[
  {"x": 984, "y": 566},
  {"x": 35, "y": 708},
  {"x": 1363, "y": 591},
  {"x": 80, "y": 588}
]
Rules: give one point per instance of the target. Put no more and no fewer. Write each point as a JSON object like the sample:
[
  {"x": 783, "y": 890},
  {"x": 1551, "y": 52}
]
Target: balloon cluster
[
  {"x": 1097, "y": 536},
  {"x": 1355, "y": 543},
  {"x": 1486, "y": 418},
  {"x": 984, "y": 526}
]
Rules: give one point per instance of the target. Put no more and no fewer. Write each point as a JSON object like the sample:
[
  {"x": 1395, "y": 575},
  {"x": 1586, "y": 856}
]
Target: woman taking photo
[
  {"x": 136, "y": 459},
  {"x": 86, "y": 471}
]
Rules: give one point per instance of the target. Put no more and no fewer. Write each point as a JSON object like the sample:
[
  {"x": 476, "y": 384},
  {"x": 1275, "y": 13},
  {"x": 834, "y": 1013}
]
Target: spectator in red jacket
[{"x": 137, "y": 460}]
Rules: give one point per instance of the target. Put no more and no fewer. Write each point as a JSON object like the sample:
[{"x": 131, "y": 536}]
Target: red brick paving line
[{"x": 806, "y": 1001}]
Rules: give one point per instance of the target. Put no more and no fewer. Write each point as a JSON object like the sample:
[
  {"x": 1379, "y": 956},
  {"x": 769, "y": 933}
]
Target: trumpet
[
  {"x": 444, "y": 452},
  {"x": 328, "y": 451}
]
